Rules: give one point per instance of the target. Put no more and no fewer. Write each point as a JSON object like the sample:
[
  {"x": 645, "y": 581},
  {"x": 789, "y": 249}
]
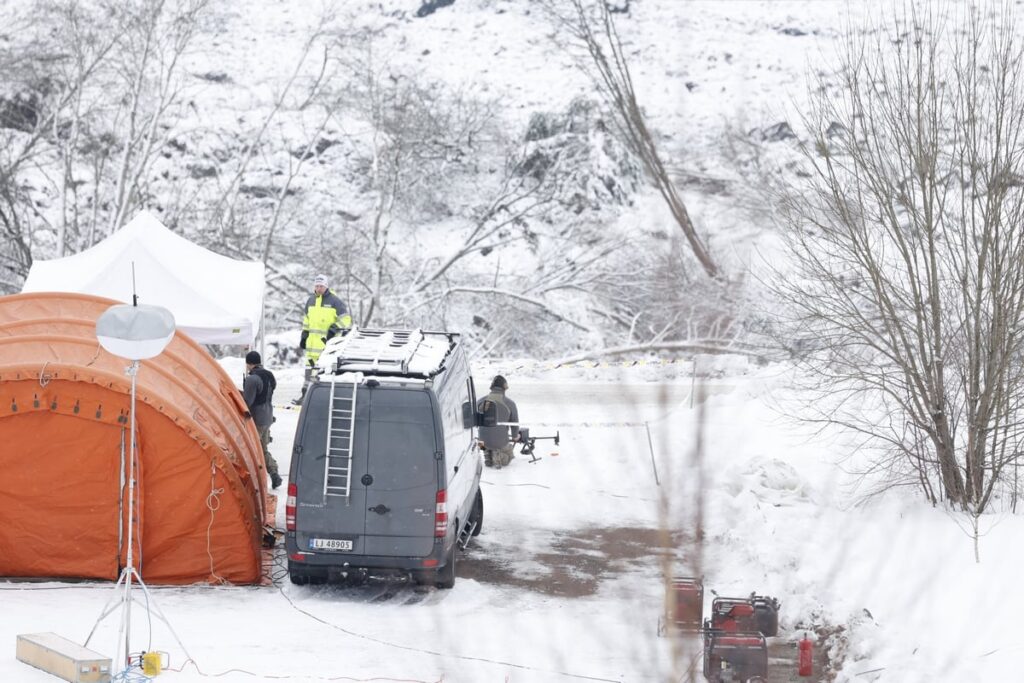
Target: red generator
[
  {"x": 688, "y": 603},
  {"x": 756, "y": 614},
  {"x": 735, "y": 657}
]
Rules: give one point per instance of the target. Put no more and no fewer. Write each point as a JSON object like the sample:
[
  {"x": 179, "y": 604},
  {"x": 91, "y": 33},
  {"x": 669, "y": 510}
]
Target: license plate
[{"x": 329, "y": 544}]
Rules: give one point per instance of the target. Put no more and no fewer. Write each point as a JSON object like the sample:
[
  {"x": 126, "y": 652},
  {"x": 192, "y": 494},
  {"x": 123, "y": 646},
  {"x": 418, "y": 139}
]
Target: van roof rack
[{"x": 389, "y": 352}]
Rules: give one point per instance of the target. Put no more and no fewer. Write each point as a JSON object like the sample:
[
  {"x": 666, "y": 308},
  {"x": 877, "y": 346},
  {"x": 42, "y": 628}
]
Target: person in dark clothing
[
  {"x": 497, "y": 442},
  {"x": 258, "y": 392}
]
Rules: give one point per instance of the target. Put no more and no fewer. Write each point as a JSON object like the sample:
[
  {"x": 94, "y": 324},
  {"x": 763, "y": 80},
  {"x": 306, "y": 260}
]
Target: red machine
[
  {"x": 756, "y": 614},
  {"x": 735, "y": 657},
  {"x": 735, "y": 645},
  {"x": 688, "y": 608}
]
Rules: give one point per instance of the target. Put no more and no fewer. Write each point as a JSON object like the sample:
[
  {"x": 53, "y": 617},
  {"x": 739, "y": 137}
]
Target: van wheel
[
  {"x": 297, "y": 576},
  {"x": 303, "y": 577},
  {"x": 446, "y": 574},
  {"x": 476, "y": 517}
]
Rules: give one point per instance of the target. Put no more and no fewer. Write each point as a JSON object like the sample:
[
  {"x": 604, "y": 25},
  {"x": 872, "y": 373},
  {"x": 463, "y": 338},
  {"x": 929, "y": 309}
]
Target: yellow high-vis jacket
[{"x": 323, "y": 317}]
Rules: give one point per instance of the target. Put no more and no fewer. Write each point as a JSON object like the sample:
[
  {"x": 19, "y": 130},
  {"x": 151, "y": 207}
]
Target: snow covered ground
[{"x": 566, "y": 581}]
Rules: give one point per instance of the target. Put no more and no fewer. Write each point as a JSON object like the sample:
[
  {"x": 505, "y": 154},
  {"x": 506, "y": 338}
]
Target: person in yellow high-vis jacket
[{"x": 324, "y": 316}]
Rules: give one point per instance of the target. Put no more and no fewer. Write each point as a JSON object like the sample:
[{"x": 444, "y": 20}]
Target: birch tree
[
  {"x": 906, "y": 297},
  {"x": 592, "y": 26},
  {"x": 424, "y": 147},
  {"x": 46, "y": 85},
  {"x": 147, "y": 69},
  {"x": 104, "y": 80}
]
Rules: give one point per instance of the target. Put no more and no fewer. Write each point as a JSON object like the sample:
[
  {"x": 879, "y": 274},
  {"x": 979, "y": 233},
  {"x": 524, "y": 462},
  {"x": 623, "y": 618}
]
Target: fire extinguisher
[{"x": 806, "y": 656}]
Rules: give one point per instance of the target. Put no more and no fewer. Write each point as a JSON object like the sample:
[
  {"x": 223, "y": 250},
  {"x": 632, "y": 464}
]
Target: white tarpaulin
[{"x": 214, "y": 299}]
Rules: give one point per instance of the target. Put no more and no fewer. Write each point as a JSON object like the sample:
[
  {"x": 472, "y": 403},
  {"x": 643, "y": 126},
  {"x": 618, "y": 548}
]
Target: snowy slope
[{"x": 711, "y": 76}]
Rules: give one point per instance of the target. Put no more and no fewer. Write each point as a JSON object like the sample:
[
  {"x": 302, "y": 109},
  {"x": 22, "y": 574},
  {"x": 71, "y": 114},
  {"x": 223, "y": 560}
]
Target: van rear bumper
[{"x": 346, "y": 561}]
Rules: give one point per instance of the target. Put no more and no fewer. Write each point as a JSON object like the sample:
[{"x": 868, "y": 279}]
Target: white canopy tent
[{"x": 214, "y": 299}]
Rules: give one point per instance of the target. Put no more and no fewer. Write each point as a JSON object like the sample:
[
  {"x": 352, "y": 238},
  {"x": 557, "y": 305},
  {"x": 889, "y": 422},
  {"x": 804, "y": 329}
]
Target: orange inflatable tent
[{"x": 64, "y": 420}]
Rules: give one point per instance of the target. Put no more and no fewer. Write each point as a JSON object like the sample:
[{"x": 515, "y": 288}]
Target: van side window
[
  {"x": 402, "y": 440},
  {"x": 451, "y": 415},
  {"x": 471, "y": 398}
]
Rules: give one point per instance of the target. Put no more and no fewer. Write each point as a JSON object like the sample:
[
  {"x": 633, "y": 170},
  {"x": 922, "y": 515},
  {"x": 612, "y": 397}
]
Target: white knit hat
[{"x": 321, "y": 280}]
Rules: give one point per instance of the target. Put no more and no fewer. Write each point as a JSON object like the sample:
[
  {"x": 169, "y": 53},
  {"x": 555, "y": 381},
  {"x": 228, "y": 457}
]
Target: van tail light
[
  {"x": 441, "y": 514},
  {"x": 289, "y": 507}
]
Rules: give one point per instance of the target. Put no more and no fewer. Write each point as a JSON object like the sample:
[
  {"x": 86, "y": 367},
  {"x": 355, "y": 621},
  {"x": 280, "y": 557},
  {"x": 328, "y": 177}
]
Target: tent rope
[
  {"x": 213, "y": 503},
  {"x": 44, "y": 379},
  {"x": 95, "y": 355}
]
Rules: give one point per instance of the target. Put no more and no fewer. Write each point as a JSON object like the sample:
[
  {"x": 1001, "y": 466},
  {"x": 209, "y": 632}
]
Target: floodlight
[{"x": 135, "y": 332}]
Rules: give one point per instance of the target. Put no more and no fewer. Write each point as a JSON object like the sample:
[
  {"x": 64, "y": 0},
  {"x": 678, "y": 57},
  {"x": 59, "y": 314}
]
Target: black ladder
[{"x": 341, "y": 421}]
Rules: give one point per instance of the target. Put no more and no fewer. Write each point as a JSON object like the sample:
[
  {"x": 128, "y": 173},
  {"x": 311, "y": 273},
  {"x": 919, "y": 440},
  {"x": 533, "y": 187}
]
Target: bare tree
[
  {"x": 155, "y": 36},
  {"x": 907, "y": 241},
  {"x": 100, "y": 81},
  {"x": 394, "y": 144},
  {"x": 423, "y": 146},
  {"x": 302, "y": 95},
  {"x": 46, "y": 82},
  {"x": 593, "y": 25}
]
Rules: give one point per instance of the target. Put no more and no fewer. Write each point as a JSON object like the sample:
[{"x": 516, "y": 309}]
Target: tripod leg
[
  {"x": 152, "y": 605},
  {"x": 110, "y": 606}
]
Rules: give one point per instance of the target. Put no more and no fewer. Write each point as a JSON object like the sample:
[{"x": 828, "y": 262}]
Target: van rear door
[
  {"x": 330, "y": 523},
  {"x": 402, "y": 466}
]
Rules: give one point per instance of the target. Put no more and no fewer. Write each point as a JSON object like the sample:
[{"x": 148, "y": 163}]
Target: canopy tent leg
[{"x": 263, "y": 328}]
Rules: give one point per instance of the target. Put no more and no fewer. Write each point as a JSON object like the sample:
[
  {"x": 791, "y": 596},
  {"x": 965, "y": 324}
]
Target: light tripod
[{"x": 135, "y": 333}]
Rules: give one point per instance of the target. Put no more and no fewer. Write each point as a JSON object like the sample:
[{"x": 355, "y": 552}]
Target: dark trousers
[
  {"x": 498, "y": 457},
  {"x": 268, "y": 459}
]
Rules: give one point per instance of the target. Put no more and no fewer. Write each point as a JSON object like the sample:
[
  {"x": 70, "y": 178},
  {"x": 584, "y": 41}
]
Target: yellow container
[{"x": 152, "y": 663}]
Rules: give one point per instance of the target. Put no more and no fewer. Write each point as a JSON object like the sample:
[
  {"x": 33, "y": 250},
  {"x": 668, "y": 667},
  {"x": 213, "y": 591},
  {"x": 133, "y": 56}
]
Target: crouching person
[{"x": 497, "y": 441}]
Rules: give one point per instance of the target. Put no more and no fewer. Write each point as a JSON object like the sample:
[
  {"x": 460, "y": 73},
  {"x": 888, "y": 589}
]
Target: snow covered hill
[
  {"x": 567, "y": 581},
  {"x": 510, "y": 203}
]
